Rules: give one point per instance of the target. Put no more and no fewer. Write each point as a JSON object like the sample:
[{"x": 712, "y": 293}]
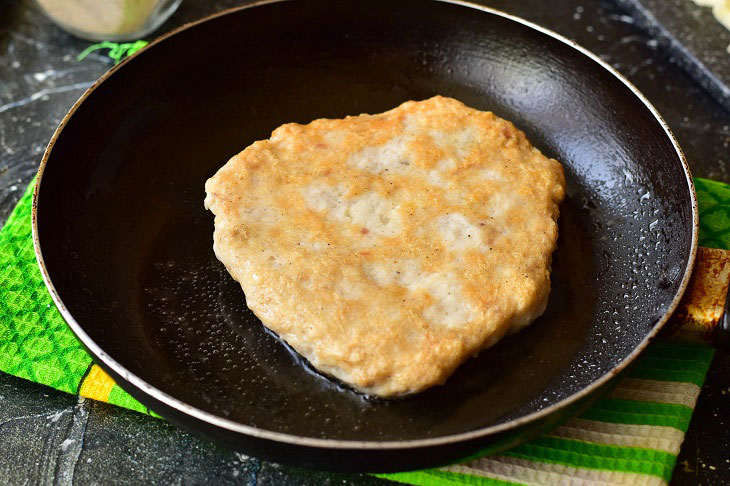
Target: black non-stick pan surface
[{"x": 126, "y": 245}]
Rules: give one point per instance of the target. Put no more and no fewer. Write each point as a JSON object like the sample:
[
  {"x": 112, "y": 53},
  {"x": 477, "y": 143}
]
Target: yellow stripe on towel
[{"x": 97, "y": 385}]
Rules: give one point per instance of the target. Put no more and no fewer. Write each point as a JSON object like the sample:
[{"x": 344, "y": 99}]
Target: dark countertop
[
  {"x": 49, "y": 437},
  {"x": 691, "y": 33}
]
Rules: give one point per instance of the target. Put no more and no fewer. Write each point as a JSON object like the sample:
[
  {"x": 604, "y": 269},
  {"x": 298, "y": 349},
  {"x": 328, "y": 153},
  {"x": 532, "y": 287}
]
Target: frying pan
[{"x": 125, "y": 245}]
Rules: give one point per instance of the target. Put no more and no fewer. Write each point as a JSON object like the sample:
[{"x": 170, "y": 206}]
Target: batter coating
[{"x": 386, "y": 249}]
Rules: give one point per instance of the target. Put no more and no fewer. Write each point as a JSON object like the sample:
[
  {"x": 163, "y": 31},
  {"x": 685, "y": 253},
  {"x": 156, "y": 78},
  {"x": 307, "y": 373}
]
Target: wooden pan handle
[{"x": 701, "y": 315}]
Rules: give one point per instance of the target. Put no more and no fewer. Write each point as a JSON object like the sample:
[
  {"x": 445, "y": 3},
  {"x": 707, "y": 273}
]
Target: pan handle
[{"x": 702, "y": 314}]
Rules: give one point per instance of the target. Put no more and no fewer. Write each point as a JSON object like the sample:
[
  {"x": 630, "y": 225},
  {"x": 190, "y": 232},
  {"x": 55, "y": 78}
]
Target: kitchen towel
[{"x": 632, "y": 436}]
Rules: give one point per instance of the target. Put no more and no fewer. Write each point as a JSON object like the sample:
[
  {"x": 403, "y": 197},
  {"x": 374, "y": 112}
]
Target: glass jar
[{"x": 111, "y": 20}]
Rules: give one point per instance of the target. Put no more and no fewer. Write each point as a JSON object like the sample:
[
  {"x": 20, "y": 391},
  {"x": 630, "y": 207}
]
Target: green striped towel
[{"x": 632, "y": 436}]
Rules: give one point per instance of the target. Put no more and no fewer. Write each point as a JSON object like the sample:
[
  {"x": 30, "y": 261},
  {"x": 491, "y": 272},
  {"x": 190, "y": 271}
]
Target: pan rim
[{"x": 312, "y": 442}]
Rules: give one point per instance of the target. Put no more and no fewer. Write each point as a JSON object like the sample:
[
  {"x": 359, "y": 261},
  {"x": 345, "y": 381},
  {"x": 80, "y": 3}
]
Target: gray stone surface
[
  {"x": 52, "y": 438},
  {"x": 48, "y": 437},
  {"x": 699, "y": 42}
]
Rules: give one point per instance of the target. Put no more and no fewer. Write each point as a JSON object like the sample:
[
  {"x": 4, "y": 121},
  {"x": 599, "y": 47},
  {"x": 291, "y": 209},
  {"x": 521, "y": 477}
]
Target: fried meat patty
[{"x": 386, "y": 249}]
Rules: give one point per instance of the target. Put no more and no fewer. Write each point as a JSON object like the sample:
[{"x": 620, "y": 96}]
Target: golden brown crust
[{"x": 388, "y": 248}]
